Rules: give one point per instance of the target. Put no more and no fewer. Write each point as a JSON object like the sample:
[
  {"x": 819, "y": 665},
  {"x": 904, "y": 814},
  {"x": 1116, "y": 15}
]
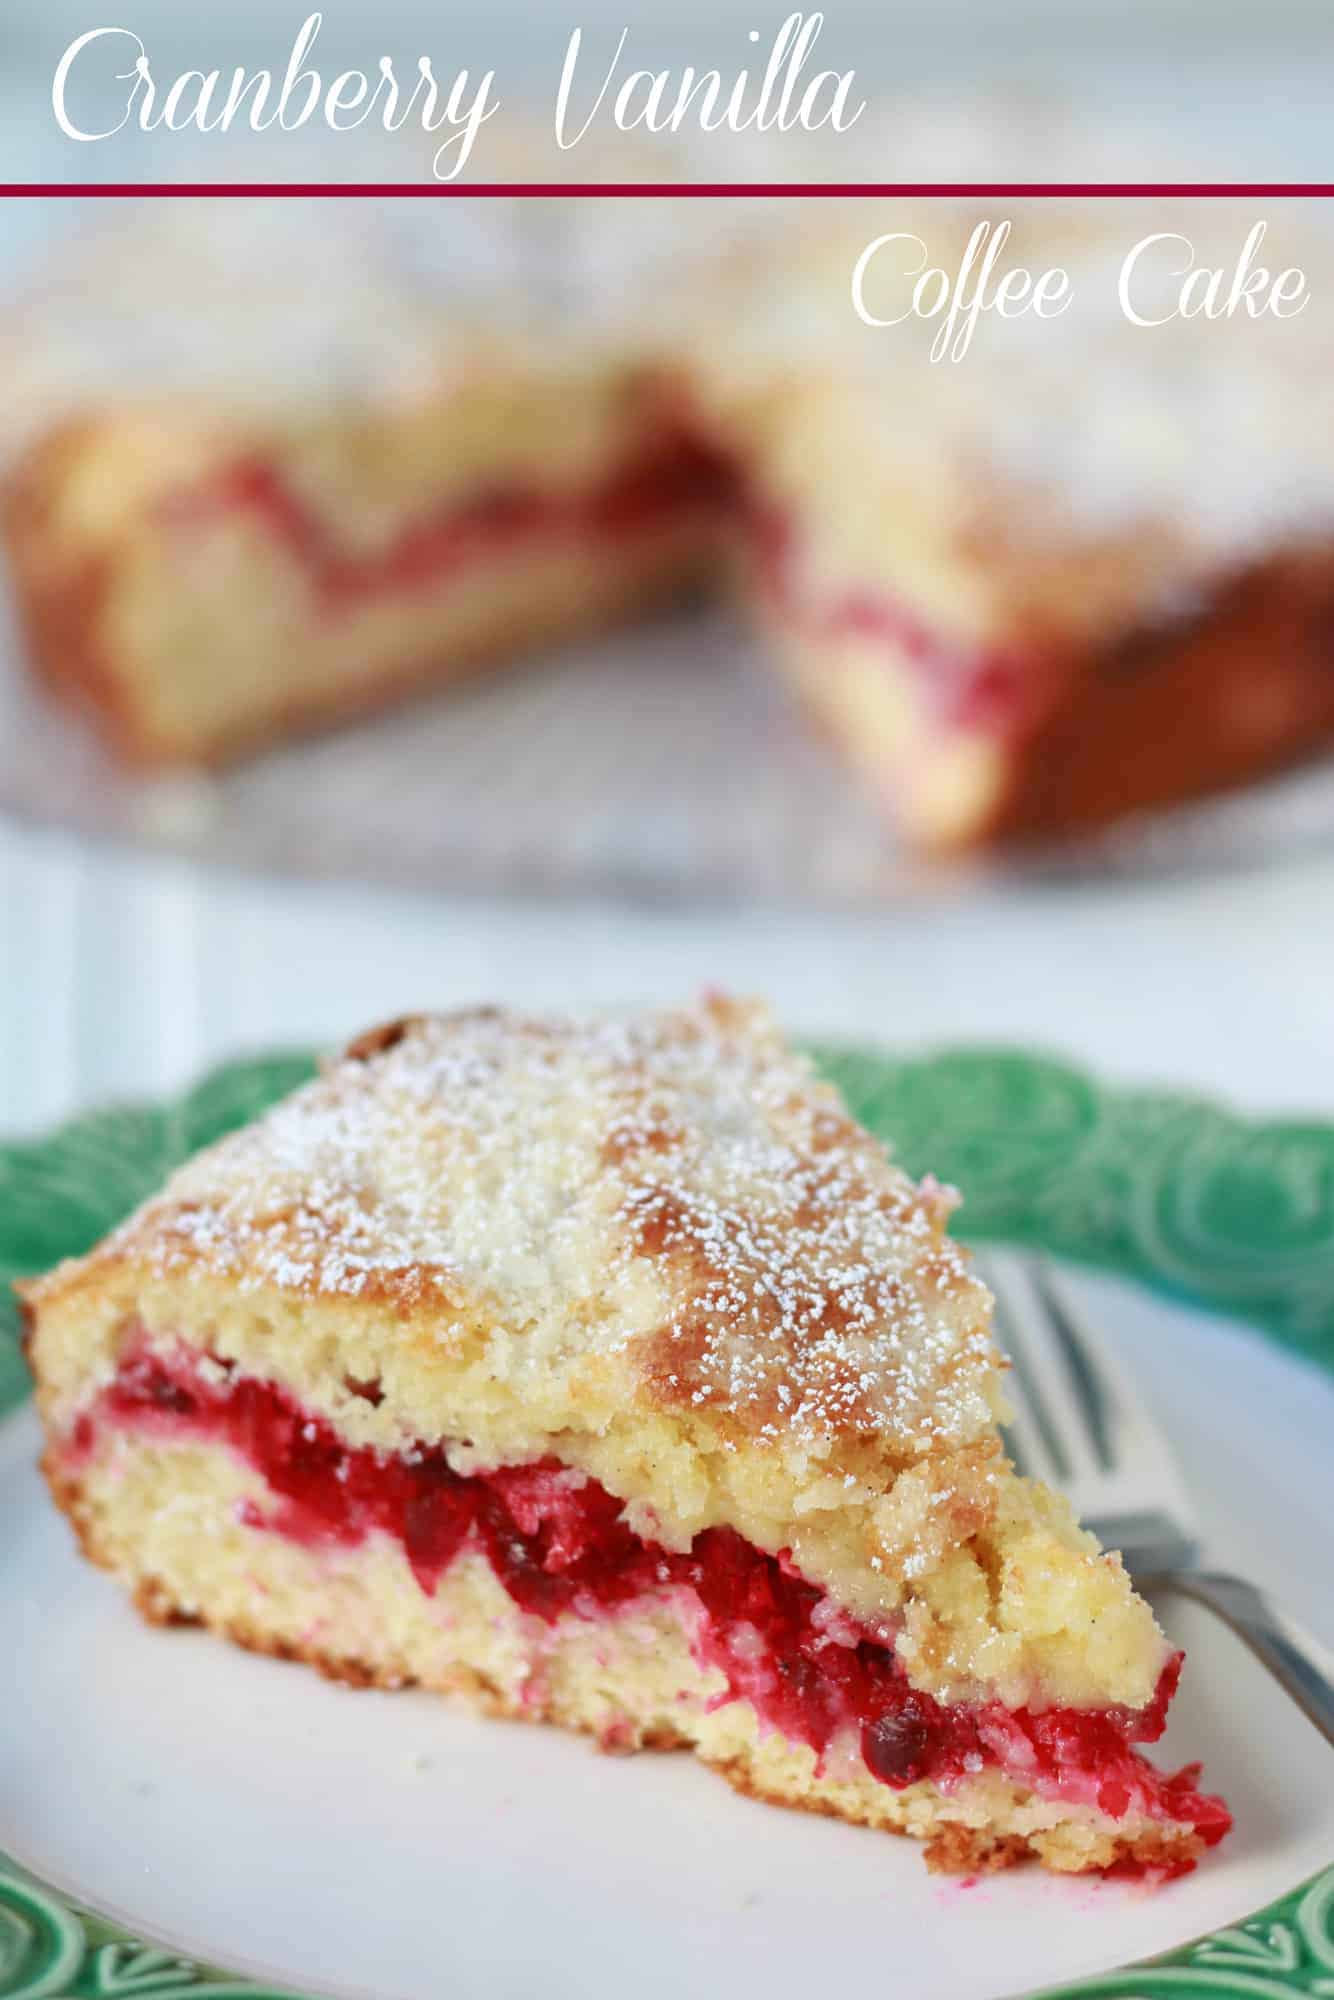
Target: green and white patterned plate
[{"x": 236, "y": 1811}]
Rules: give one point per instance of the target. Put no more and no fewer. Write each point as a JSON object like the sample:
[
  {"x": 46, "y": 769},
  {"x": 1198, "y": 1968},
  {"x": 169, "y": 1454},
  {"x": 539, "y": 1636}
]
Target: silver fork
[{"x": 1078, "y": 1426}]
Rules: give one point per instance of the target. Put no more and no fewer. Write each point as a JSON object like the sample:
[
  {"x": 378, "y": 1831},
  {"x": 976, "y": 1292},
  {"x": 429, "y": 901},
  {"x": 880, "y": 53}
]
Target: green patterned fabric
[{"x": 1170, "y": 1189}]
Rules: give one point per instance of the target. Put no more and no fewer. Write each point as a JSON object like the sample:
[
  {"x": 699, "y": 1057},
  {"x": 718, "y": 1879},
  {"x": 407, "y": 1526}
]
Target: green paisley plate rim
[{"x": 1175, "y": 1190}]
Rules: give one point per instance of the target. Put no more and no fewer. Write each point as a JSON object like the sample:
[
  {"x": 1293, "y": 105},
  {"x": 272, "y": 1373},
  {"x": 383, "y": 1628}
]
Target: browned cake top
[{"x": 673, "y": 1200}]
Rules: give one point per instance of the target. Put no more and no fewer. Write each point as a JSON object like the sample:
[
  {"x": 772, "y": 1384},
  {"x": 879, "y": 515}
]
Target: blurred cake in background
[
  {"x": 286, "y": 461},
  {"x": 278, "y": 463},
  {"x": 1084, "y": 569}
]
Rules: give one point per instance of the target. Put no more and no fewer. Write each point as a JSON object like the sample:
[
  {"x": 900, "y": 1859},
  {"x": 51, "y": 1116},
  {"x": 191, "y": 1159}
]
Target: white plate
[{"x": 248, "y": 1813}]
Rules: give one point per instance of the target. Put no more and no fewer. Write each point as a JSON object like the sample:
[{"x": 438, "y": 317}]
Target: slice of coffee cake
[{"x": 610, "y": 1373}]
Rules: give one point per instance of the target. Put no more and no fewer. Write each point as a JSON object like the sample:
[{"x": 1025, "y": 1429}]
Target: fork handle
[{"x": 1301, "y": 1665}]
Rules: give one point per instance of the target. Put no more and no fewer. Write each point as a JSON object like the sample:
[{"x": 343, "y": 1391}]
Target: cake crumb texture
[{"x": 168, "y": 1519}]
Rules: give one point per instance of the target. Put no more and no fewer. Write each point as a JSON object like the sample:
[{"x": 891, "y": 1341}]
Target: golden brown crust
[
  {"x": 376, "y": 1041},
  {"x": 1181, "y": 708},
  {"x": 61, "y": 591},
  {"x": 154, "y": 1602},
  {"x": 967, "y": 1850},
  {"x": 954, "y": 1848},
  {"x": 27, "y": 1324}
]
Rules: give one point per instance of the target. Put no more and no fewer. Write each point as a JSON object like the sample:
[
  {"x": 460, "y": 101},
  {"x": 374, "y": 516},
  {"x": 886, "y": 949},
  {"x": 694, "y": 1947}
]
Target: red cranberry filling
[
  {"x": 676, "y": 477},
  {"x": 896, "y": 1745},
  {"x": 558, "y": 1542}
]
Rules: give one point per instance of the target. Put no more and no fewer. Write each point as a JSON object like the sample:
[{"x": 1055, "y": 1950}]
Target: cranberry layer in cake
[
  {"x": 1035, "y": 574},
  {"x": 610, "y": 1374},
  {"x": 283, "y": 463}
]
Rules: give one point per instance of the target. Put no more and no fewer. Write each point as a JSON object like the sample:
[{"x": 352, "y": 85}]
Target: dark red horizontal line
[{"x": 691, "y": 190}]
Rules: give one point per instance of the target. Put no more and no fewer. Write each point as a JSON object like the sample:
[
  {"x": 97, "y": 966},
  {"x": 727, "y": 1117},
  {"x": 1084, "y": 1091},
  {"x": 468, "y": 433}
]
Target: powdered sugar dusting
[
  {"x": 259, "y": 310},
  {"x": 673, "y": 1197},
  {"x": 1213, "y": 428}
]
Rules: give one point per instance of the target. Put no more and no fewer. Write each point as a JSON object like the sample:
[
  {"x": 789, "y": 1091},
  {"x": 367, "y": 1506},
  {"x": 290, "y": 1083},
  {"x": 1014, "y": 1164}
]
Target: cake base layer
[{"x": 177, "y": 1520}]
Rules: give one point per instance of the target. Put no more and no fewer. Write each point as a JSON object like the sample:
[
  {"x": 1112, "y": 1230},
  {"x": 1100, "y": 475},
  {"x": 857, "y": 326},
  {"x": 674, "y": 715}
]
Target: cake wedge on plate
[{"x": 608, "y": 1373}]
